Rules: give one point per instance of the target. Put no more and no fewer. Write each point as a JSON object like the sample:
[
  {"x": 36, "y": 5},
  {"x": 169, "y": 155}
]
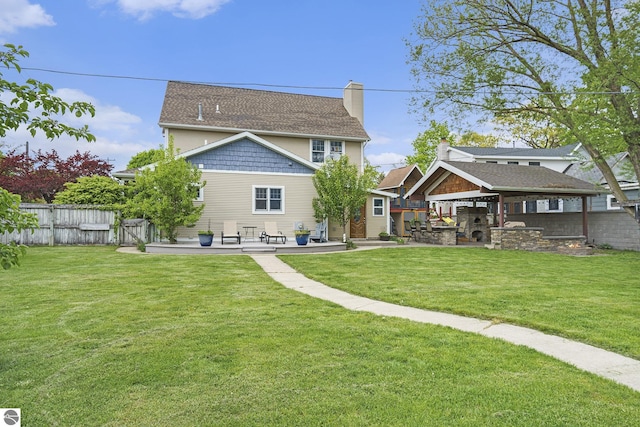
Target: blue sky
[{"x": 289, "y": 43}]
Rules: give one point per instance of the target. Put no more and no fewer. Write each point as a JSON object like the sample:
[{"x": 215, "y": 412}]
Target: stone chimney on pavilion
[{"x": 353, "y": 100}]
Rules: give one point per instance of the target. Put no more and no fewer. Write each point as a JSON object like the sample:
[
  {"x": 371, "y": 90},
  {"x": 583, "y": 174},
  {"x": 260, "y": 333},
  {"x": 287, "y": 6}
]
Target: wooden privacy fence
[{"x": 80, "y": 225}]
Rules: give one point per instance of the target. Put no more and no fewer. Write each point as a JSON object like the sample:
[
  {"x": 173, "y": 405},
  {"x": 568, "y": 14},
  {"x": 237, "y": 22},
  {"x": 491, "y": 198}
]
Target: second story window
[{"x": 321, "y": 149}]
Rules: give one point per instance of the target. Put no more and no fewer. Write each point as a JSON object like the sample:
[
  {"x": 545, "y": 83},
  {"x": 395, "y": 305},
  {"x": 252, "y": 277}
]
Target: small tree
[
  {"x": 342, "y": 191},
  {"x": 165, "y": 192},
  {"x": 12, "y": 219}
]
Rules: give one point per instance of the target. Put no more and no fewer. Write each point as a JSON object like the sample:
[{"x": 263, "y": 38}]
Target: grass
[
  {"x": 593, "y": 299},
  {"x": 95, "y": 337}
]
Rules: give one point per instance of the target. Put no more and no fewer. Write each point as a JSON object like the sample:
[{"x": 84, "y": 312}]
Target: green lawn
[
  {"x": 593, "y": 299},
  {"x": 90, "y": 336}
]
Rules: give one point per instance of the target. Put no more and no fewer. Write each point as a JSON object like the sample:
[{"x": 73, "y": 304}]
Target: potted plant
[
  {"x": 415, "y": 224},
  {"x": 302, "y": 236},
  {"x": 384, "y": 236},
  {"x": 205, "y": 237}
]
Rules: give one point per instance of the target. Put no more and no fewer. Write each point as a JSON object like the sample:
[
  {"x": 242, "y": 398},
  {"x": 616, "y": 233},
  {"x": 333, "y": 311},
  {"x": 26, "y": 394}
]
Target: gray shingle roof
[
  {"x": 258, "y": 110},
  {"x": 519, "y": 152},
  {"x": 501, "y": 177}
]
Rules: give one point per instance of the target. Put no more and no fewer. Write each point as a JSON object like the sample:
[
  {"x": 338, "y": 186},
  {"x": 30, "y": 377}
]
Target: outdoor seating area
[{"x": 289, "y": 246}]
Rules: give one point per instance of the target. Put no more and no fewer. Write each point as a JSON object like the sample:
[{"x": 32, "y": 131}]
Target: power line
[{"x": 281, "y": 86}]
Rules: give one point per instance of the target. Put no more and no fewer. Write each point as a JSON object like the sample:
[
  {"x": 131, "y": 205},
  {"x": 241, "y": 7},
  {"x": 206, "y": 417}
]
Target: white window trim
[
  {"x": 612, "y": 203},
  {"x": 268, "y": 211},
  {"x": 374, "y": 207},
  {"x": 327, "y": 148},
  {"x": 546, "y": 206},
  {"x": 200, "y": 196}
]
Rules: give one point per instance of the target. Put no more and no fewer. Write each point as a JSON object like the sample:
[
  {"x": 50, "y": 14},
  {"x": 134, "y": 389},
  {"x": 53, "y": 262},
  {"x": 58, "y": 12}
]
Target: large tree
[
  {"x": 165, "y": 193},
  {"x": 31, "y": 104},
  {"x": 41, "y": 175},
  {"x": 342, "y": 190},
  {"x": 573, "y": 62}
]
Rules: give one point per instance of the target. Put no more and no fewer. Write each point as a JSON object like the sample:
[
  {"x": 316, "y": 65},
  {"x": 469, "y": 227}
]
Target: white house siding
[{"x": 229, "y": 196}]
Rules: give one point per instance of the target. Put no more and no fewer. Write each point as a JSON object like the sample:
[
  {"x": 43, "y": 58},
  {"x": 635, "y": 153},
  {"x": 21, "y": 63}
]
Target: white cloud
[
  {"x": 387, "y": 161},
  {"x": 107, "y": 118},
  {"x": 118, "y": 133},
  {"x": 193, "y": 9},
  {"x": 22, "y": 14}
]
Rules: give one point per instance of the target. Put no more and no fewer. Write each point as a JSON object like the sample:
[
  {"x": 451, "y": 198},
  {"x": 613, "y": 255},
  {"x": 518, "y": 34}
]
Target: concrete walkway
[{"x": 621, "y": 369}]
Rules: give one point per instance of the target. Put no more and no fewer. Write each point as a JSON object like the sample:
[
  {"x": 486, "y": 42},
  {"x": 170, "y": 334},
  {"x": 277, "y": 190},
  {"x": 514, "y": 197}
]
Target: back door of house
[{"x": 357, "y": 227}]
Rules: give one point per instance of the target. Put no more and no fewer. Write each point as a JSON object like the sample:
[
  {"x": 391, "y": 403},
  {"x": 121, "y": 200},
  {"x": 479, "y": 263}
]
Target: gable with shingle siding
[
  {"x": 247, "y": 156},
  {"x": 237, "y": 109}
]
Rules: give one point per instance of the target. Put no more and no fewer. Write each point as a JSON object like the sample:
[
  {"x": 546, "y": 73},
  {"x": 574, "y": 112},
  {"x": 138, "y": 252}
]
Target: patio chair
[
  {"x": 230, "y": 231},
  {"x": 462, "y": 229},
  {"x": 320, "y": 234},
  {"x": 271, "y": 232}
]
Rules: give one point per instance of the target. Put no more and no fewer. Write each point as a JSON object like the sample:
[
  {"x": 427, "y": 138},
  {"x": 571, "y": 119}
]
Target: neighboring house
[
  {"x": 258, "y": 151},
  {"x": 399, "y": 181},
  {"x": 557, "y": 159},
  {"x": 623, "y": 171}
]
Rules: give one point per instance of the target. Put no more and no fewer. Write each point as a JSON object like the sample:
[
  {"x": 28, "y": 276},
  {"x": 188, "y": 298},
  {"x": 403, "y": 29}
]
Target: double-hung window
[
  {"x": 321, "y": 149},
  {"x": 269, "y": 200},
  {"x": 378, "y": 207}
]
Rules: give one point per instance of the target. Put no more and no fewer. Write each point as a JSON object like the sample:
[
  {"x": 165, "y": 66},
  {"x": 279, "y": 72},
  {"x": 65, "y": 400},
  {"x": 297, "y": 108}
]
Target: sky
[{"x": 302, "y": 46}]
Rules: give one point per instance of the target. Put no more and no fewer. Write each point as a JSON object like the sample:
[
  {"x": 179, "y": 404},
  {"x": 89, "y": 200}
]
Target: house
[
  {"x": 258, "y": 151},
  {"x": 557, "y": 159},
  {"x": 399, "y": 181}
]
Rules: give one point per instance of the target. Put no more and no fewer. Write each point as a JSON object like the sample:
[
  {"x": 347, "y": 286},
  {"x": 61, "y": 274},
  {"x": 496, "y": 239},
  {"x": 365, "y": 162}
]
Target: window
[
  {"x": 612, "y": 203},
  {"x": 554, "y": 205},
  {"x": 269, "y": 200},
  {"x": 513, "y": 163},
  {"x": 534, "y": 163},
  {"x": 198, "y": 193},
  {"x": 321, "y": 149},
  {"x": 378, "y": 207},
  {"x": 492, "y": 161},
  {"x": 517, "y": 208},
  {"x": 532, "y": 206}
]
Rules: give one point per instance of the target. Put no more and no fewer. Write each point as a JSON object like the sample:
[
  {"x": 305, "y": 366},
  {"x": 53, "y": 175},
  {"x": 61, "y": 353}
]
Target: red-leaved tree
[{"x": 40, "y": 176}]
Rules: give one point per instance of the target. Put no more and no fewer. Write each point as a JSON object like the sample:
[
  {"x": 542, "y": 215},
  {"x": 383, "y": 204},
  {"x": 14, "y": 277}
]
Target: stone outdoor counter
[
  {"x": 531, "y": 239},
  {"x": 439, "y": 235}
]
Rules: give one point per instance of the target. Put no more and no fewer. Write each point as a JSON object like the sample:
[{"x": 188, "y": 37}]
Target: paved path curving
[{"x": 621, "y": 369}]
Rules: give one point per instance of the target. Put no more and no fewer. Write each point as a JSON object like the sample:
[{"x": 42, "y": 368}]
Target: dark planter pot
[
  {"x": 384, "y": 238},
  {"x": 205, "y": 239},
  {"x": 302, "y": 239}
]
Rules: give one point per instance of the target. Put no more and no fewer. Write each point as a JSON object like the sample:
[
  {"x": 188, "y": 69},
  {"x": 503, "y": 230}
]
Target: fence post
[{"x": 51, "y": 226}]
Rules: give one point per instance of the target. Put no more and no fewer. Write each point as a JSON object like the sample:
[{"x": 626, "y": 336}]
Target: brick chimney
[{"x": 353, "y": 100}]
